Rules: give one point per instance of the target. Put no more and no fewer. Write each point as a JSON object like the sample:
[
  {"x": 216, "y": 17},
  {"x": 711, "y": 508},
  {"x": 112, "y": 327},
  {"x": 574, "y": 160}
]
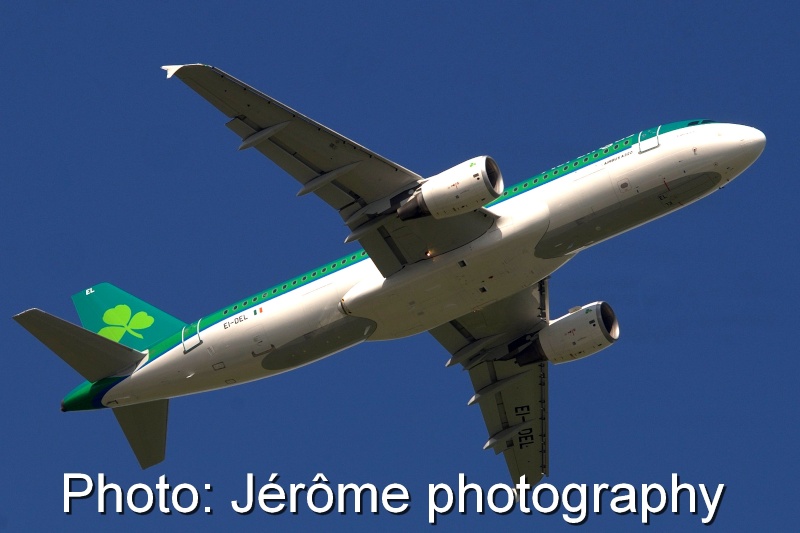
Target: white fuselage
[{"x": 534, "y": 234}]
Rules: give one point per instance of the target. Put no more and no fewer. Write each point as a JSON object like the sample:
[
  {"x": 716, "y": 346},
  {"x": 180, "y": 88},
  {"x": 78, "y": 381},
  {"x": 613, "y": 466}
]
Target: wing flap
[
  {"x": 512, "y": 398},
  {"x": 516, "y": 415},
  {"x": 304, "y": 147}
]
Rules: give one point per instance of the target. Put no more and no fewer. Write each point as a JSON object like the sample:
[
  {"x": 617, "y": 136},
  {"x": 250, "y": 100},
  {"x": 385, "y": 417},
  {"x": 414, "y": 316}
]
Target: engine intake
[
  {"x": 582, "y": 332},
  {"x": 461, "y": 189}
]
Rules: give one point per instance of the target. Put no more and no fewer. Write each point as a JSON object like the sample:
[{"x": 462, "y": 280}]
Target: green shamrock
[{"x": 119, "y": 321}]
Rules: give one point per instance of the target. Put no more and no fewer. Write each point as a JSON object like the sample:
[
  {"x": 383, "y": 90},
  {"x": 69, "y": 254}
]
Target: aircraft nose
[
  {"x": 752, "y": 142},
  {"x": 742, "y": 146}
]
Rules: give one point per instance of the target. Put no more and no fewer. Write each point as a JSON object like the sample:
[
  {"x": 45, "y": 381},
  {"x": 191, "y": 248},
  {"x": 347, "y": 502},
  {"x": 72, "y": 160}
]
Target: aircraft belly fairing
[{"x": 429, "y": 293}]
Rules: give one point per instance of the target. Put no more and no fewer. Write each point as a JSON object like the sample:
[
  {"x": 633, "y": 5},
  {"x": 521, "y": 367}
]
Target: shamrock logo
[{"x": 119, "y": 322}]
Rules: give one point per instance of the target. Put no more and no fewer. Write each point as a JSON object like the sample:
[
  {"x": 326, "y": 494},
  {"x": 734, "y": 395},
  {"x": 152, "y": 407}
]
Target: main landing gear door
[
  {"x": 648, "y": 139},
  {"x": 190, "y": 337}
]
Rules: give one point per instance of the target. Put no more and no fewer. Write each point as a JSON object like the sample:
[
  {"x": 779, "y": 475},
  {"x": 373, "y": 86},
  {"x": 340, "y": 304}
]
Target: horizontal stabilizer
[
  {"x": 92, "y": 356},
  {"x": 145, "y": 427}
]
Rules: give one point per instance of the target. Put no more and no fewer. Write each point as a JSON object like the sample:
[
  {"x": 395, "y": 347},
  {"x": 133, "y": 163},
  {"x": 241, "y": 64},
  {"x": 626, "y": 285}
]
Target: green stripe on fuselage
[
  {"x": 586, "y": 160},
  {"x": 312, "y": 275},
  {"x": 88, "y": 395},
  {"x": 257, "y": 299}
]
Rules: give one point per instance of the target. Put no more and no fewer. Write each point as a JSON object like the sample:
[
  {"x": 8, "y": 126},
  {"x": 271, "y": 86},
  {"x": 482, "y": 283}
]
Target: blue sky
[{"x": 112, "y": 173}]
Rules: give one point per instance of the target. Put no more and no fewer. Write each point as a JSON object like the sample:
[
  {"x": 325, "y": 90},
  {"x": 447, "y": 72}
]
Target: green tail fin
[{"x": 113, "y": 313}]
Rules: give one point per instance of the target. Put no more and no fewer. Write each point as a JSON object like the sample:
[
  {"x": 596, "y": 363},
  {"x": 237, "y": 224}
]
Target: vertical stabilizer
[{"x": 114, "y": 314}]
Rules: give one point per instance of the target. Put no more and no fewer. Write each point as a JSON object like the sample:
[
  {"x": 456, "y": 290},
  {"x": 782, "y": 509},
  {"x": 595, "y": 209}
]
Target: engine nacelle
[
  {"x": 578, "y": 334},
  {"x": 461, "y": 189}
]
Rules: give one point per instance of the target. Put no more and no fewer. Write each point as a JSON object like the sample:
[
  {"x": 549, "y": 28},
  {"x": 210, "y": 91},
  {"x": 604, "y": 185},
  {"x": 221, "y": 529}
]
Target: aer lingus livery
[{"x": 457, "y": 255}]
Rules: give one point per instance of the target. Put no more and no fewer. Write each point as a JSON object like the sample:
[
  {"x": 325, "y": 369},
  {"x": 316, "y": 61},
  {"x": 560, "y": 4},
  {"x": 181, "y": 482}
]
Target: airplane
[{"x": 457, "y": 254}]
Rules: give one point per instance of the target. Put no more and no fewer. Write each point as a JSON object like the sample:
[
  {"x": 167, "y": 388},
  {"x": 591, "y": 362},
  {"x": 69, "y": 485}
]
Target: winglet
[{"x": 171, "y": 69}]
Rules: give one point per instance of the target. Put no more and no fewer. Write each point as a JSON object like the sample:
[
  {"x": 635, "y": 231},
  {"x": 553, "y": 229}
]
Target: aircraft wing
[
  {"x": 512, "y": 398},
  {"x": 362, "y": 186}
]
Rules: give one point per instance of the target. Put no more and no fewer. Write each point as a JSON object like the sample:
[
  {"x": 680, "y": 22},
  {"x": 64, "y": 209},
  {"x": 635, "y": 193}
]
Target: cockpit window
[{"x": 706, "y": 121}]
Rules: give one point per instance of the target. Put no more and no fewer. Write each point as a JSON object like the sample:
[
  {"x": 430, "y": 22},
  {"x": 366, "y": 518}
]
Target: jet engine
[
  {"x": 580, "y": 333},
  {"x": 463, "y": 188}
]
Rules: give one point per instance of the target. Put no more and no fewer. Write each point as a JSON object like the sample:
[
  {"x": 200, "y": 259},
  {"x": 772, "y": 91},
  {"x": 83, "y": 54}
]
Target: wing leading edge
[
  {"x": 365, "y": 188},
  {"x": 512, "y": 398}
]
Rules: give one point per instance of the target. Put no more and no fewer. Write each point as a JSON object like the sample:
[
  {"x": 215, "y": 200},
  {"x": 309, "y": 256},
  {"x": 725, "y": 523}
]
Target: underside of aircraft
[{"x": 459, "y": 255}]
